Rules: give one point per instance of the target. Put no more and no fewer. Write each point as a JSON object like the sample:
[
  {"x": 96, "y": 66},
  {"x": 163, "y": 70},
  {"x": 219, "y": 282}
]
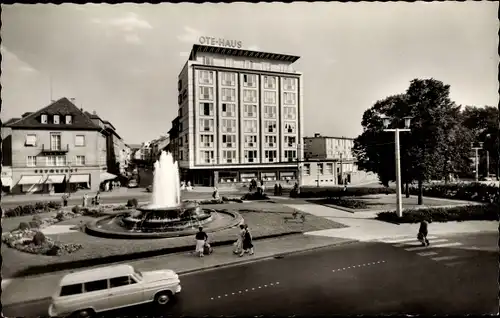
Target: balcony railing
[{"x": 56, "y": 150}]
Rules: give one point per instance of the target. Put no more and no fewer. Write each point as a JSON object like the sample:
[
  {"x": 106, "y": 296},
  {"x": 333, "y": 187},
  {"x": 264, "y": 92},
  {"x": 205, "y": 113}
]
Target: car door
[
  {"x": 124, "y": 291},
  {"x": 95, "y": 294}
]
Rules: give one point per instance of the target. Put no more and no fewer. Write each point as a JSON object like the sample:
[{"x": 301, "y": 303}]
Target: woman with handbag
[
  {"x": 247, "y": 242},
  {"x": 239, "y": 242}
]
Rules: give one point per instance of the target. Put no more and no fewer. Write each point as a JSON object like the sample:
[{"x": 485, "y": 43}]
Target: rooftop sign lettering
[{"x": 207, "y": 40}]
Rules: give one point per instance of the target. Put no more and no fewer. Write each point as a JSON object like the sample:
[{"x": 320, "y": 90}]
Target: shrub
[
  {"x": 30, "y": 209},
  {"x": 461, "y": 191},
  {"x": 484, "y": 212},
  {"x": 316, "y": 192},
  {"x": 53, "y": 250},
  {"x": 39, "y": 239},
  {"x": 93, "y": 212},
  {"x": 132, "y": 203},
  {"x": 347, "y": 203},
  {"x": 76, "y": 209},
  {"x": 119, "y": 208},
  {"x": 250, "y": 196},
  {"x": 23, "y": 226}
]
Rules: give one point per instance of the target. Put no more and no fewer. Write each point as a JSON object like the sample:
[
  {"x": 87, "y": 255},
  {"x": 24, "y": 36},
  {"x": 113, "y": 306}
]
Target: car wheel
[
  {"x": 163, "y": 298},
  {"x": 85, "y": 313}
]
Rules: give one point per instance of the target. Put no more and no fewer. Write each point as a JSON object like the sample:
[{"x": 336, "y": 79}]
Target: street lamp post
[
  {"x": 299, "y": 170},
  {"x": 476, "y": 158},
  {"x": 386, "y": 122}
]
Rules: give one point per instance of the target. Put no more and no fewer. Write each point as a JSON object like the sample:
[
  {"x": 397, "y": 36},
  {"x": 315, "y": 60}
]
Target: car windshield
[{"x": 138, "y": 273}]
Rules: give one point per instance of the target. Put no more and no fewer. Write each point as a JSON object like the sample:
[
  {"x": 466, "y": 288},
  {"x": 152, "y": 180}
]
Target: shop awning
[
  {"x": 30, "y": 180},
  {"x": 105, "y": 176},
  {"x": 55, "y": 178},
  {"x": 6, "y": 182},
  {"x": 79, "y": 178}
]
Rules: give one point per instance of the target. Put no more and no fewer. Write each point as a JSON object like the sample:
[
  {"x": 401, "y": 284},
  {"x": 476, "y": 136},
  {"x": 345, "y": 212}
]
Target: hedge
[
  {"x": 316, "y": 192},
  {"x": 346, "y": 203},
  {"x": 30, "y": 209},
  {"x": 483, "y": 212},
  {"x": 461, "y": 191}
]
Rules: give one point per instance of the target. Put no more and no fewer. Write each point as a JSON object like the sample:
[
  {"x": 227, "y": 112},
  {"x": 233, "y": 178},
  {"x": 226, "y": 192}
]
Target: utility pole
[
  {"x": 476, "y": 158},
  {"x": 341, "y": 169},
  {"x": 299, "y": 170}
]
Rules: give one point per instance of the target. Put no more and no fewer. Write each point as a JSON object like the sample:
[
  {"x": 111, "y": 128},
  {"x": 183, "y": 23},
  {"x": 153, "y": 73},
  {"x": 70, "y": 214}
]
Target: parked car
[
  {"x": 88, "y": 292},
  {"x": 133, "y": 183}
]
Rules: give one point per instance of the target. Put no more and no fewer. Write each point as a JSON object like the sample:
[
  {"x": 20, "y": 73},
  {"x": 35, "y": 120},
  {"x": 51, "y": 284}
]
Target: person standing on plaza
[
  {"x": 65, "y": 199},
  {"x": 201, "y": 239},
  {"x": 247, "y": 242},
  {"x": 239, "y": 242},
  {"x": 422, "y": 233},
  {"x": 280, "y": 189},
  {"x": 85, "y": 200}
]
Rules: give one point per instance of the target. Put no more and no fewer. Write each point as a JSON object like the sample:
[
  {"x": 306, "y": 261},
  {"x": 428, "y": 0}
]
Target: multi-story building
[
  {"x": 240, "y": 116},
  {"x": 55, "y": 149},
  {"x": 330, "y": 161}
]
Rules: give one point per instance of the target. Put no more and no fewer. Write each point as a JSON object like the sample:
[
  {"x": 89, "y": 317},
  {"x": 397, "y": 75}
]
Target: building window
[
  {"x": 181, "y": 155},
  {"x": 56, "y": 119},
  {"x": 250, "y": 110},
  {"x": 180, "y": 141},
  {"x": 290, "y": 155},
  {"x": 269, "y": 97},
  {"x": 266, "y": 66},
  {"x": 206, "y": 93},
  {"x": 250, "y": 95},
  {"x": 180, "y": 127},
  {"x": 80, "y": 161},
  {"x": 228, "y": 141},
  {"x": 271, "y": 155},
  {"x": 251, "y": 155},
  {"x": 43, "y": 119},
  {"x": 269, "y": 111},
  {"x": 206, "y": 125},
  {"x": 179, "y": 85},
  {"x": 208, "y": 60},
  {"x": 250, "y": 126},
  {"x": 307, "y": 169},
  {"x": 229, "y": 62},
  {"x": 228, "y": 94},
  {"x": 186, "y": 139},
  {"x": 320, "y": 168},
  {"x": 249, "y": 80},
  {"x": 55, "y": 141},
  {"x": 60, "y": 161},
  {"x": 270, "y": 126},
  {"x": 30, "y": 140},
  {"x": 206, "y": 77},
  {"x": 80, "y": 140},
  {"x": 207, "y": 141},
  {"x": 290, "y": 112},
  {"x": 248, "y": 64},
  {"x": 329, "y": 168},
  {"x": 270, "y": 82},
  {"x": 270, "y": 141},
  {"x": 290, "y": 128},
  {"x": 290, "y": 141},
  {"x": 289, "y": 83},
  {"x": 250, "y": 141},
  {"x": 289, "y": 98},
  {"x": 229, "y": 156},
  {"x": 69, "y": 119},
  {"x": 228, "y": 79},
  {"x": 207, "y": 156},
  {"x": 31, "y": 161},
  {"x": 228, "y": 110},
  {"x": 229, "y": 125},
  {"x": 207, "y": 109}
]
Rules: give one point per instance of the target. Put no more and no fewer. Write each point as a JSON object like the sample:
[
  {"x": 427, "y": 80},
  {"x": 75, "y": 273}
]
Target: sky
[{"x": 123, "y": 60}]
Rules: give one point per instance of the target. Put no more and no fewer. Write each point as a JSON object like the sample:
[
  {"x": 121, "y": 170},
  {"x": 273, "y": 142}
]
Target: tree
[{"x": 432, "y": 149}]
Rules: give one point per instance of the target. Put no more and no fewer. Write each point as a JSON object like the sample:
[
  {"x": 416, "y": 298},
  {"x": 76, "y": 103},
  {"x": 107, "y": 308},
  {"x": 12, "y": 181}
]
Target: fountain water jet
[{"x": 166, "y": 186}]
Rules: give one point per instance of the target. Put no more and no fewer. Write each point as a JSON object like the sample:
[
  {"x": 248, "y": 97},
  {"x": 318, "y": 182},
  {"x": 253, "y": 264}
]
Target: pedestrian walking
[
  {"x": 247, "y": 242},
  {"x": 97, "y": 198},
  {"x": 85, "y": 200},
  {"x": 280, "y": 189},
  {"x": 276, "y": 189},
  {"x": 201, "y": 239},
  {"x": 65, "y": 199},
  {"x": 422, "y": 233},
  {"x": 239, "y": 242}
]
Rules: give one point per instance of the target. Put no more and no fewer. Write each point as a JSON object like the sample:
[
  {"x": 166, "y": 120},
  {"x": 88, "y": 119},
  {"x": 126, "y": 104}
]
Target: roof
[
  {"x": 331, "y": 137},
  {"x": 61, "y": 107},
  {"x": 243, "y": 53},
  {"x": 95, "y": 274},
  {"x": 10, "y": 121},
  {"x": 135, "y": 146}
]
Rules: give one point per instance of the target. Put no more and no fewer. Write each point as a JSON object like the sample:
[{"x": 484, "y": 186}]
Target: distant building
[
  {"x": 55, "y": 149},
  {"x": 240, "y": 116},
  {"x": 330, "y": 161}
]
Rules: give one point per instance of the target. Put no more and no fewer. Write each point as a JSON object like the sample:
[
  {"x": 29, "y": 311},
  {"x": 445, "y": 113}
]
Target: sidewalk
[
  {"x": 363, "y": 226},
  {"x": 22, "y": 289}
]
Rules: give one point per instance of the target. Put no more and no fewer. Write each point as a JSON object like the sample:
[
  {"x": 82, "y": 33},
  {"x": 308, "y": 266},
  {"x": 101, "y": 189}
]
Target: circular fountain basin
[{"x": 153, "y": 222}]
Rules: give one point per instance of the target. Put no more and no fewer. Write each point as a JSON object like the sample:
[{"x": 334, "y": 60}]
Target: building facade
[
  {"x": 56, "y": 149},
  {"x": 330, "y": 161},
  {"x": 239, "y": 118}
]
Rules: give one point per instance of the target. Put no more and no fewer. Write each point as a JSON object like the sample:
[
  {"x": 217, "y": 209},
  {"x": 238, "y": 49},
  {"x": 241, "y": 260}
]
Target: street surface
[{"x": 360, "y": 278}]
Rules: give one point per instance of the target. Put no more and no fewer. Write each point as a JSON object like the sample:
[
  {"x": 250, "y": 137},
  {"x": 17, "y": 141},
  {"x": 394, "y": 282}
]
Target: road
[{"x": 362, "y": 278}]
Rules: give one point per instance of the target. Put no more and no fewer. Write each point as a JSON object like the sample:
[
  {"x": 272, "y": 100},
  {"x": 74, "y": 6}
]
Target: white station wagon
[{"x": 85, "y": 293}]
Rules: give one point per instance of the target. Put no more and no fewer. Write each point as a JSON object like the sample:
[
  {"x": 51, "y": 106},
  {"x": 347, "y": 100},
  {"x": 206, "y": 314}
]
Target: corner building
[{"x": 240, "y": 117}]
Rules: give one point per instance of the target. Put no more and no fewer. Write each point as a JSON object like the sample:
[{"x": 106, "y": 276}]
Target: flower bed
[
  {"x": 346, "y": 203},
  {"x": 461, "y": 191},
  {"x": 251, "y": 196},
  {"x": 30, "y": 209},
  {"x": 316, "y": 192},
  {"x": 484, "y": 212}
]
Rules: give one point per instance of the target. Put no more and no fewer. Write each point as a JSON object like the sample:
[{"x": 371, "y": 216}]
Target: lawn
[{"x": 263, "y": 219}]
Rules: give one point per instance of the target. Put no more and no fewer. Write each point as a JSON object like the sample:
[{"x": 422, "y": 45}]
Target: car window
[
  {"x": 96, "y": 285},
  {"x": 133, "y": 280},
  {"x": 69, "y": 290},
  {"x": 118, "y": 281}
]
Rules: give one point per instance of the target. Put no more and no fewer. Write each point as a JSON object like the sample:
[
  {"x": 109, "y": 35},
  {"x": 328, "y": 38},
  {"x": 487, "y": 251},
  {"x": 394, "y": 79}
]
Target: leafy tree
[{"x": 433, "y": 148}]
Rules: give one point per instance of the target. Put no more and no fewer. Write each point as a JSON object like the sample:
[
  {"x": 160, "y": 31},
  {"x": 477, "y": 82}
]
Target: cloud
[
  {"x": 190, "y": 35},
  {"x": 13, "y": 62},
  {"x": 132, "y": 38},
  {"x": 130, "y": 22}
]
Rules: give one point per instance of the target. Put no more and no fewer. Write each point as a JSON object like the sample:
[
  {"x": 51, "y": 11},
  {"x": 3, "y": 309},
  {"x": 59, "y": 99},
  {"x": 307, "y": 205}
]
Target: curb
[{"x": 45, "y": 269}]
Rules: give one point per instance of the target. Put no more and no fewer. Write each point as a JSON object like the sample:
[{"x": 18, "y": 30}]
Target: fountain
[{"x": 166, "y": 215}]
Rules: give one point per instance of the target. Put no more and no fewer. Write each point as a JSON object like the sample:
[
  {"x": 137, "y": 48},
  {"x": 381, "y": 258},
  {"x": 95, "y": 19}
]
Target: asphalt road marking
[
  {"x": 445, "y": 258},
  {"x": 432, "y": 246},
  {"x": 426, "y": 253},
  {"x": 394, "y": 241},
  {"x": 454, "y": 263},
  {"x": 246, "y": 290},
  {"x": 356, "y": 266},
  {"x": 416, "y": 243}
]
